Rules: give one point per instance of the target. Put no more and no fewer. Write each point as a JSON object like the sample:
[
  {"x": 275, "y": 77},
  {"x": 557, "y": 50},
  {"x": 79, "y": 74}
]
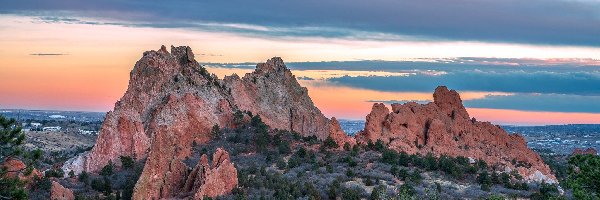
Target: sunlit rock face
[
  {"x": 58, "y": 192},
  {"x": 171, "y": 102},
  {"x": 443, "y": 127}
]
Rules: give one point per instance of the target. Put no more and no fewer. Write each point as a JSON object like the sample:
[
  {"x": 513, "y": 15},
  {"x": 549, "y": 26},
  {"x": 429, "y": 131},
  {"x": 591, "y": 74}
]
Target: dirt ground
[{"x": 57, "y": 141}]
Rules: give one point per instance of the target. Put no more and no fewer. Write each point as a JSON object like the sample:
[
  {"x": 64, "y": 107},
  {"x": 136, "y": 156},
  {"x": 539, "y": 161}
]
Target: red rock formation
[
  {"x": 588, "y": 151},
  {"x": 215, "y": 181},
  {"x": 58, "y": 192},
  {"x": 443, "y": 127},
  {"x": 273, "y": 92},
  {"x": 16, "y": 168},
  {"x": 171, "y": 101}
]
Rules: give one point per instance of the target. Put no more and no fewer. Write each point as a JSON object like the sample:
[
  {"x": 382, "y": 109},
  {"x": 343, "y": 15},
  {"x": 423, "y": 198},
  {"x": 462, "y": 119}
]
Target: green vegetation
[
  {"x": 11, "y": 139},
  {"x": 127, "y": 162},
  {"x": 584, "y": 176},
  {"x": 330, "y": 143},
  {"x": 107, "y": 170},
  {"x": 215, "y": 132}
]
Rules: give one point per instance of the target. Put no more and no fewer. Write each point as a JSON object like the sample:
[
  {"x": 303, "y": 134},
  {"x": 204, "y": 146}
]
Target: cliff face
[
  {"x": 171, "y": 101},
  {"x": 443, "y": 127}
]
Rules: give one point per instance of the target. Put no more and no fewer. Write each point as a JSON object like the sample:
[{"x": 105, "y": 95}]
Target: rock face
[
  {"x": 588, "y": 151},
  {"x": 171, "y": 102},
  {"x": 219, "y": 179},
  {"x": 58, "y": 192},
  {"x": 16, "y": 168},
  {"x": 443, "y": 127}
]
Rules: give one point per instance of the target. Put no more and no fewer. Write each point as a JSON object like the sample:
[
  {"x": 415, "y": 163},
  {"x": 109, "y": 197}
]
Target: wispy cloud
[{"x": 48, "y": 54}]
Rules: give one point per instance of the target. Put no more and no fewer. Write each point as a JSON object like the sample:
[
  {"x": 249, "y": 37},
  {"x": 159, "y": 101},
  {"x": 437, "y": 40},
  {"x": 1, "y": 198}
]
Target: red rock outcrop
[
  {"x": 443, "y": 127},
  {"x": 58, "y": 192},
  {"x": 172, "y": 101},
  {"x": 588, "y": 151},
  {"x": 16, "y": 168},
  {"x": 219, "y": 179}
]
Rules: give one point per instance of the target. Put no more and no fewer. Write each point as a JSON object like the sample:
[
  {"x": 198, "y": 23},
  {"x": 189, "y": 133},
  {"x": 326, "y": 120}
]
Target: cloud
[
  {"x": 539, "y": 102},
  {"x": 579, "y": 83},
  {"x": 553, "y": 22},
  {"x": 48, "y": 54}
]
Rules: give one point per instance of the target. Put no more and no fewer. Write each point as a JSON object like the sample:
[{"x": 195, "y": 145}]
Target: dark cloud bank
[{"x": 553, "y": 22}]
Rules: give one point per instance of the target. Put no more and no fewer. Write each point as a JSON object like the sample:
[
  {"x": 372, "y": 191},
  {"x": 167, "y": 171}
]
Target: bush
[
  {"x": 284, "y": 147},
  {"x": 389, "y": 157},
  {"x": 350, "y": 173},
  {"x": 367, "y": 181},
  {"x": 58, "y": 173},
  {"x": 330, "y": 143},
  {"x": 406, "y": 190},
  {"x": 216, "y": 132},
  {"x": 281, "y": 163},
  {"x": 107, "y": 170},
  {"x": 416, "y": 177},
  {"x": 484, "y": 180},
  {"x": 378, "y": 193},
  {"x": 347, "y": 146},
  {"x": 84, "y": 178},
  {"x": 127, "y": 162},
  {"x": 379, "y": 146},
  {"x": 350, "y": 194}
]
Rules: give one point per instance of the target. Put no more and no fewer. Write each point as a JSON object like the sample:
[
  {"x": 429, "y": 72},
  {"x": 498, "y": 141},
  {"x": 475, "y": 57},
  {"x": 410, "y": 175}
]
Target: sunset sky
[{"x": 514, "y": 62}]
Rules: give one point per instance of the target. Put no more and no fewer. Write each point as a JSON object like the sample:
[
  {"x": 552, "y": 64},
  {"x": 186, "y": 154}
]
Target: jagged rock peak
[
  {"x": 450, "y": 102},
  {"x": 274, "y": 64}
]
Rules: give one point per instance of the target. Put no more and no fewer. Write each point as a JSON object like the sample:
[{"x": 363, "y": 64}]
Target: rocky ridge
[
  {"x": 172, "y": 102},
  {"x": 443, "y": 127}
]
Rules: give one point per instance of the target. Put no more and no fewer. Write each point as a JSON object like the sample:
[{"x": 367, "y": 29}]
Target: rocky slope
[
  {"x": 443, "y": 127},
  {"x": 171, "y": 102}
]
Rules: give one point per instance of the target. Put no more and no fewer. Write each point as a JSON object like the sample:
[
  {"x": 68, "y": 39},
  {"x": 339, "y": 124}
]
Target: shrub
[
  {"x": 84, "y": 178},
  {"x": 347, "y": 146},
  {"x": 350, "y": 194},
  {"x": 379, "y": 146},
  {"x": 485, "y": 180},
  {"x": 416, "y": 177},
  {"x": 281, "y": 163},
  {"x": 355, "y": 150},
  {"x": 284, "y": 147},
  {"x": 58, "y": 173},
  {"x": 378, "y": 193},
  {"x": 389, "y": 157},
  {"x": 107, "y": 170},
  {"x": 330, "y": 143},
  {"x": 127, "y": 162},
  {"x": 406, "y": 190},
  {"x": 350, "y": 173},
  {"x": 216, "y": 132},
  {"x": 367, "y": 181}
]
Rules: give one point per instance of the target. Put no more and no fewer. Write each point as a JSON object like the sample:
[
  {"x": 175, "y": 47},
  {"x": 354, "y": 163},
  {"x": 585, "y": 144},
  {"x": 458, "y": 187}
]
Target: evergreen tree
[{"x": 11, "y": 138}]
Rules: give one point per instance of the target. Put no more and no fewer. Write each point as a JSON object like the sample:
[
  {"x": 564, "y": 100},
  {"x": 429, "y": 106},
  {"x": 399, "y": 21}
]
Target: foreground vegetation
[{"x": 275, "y": 164}]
